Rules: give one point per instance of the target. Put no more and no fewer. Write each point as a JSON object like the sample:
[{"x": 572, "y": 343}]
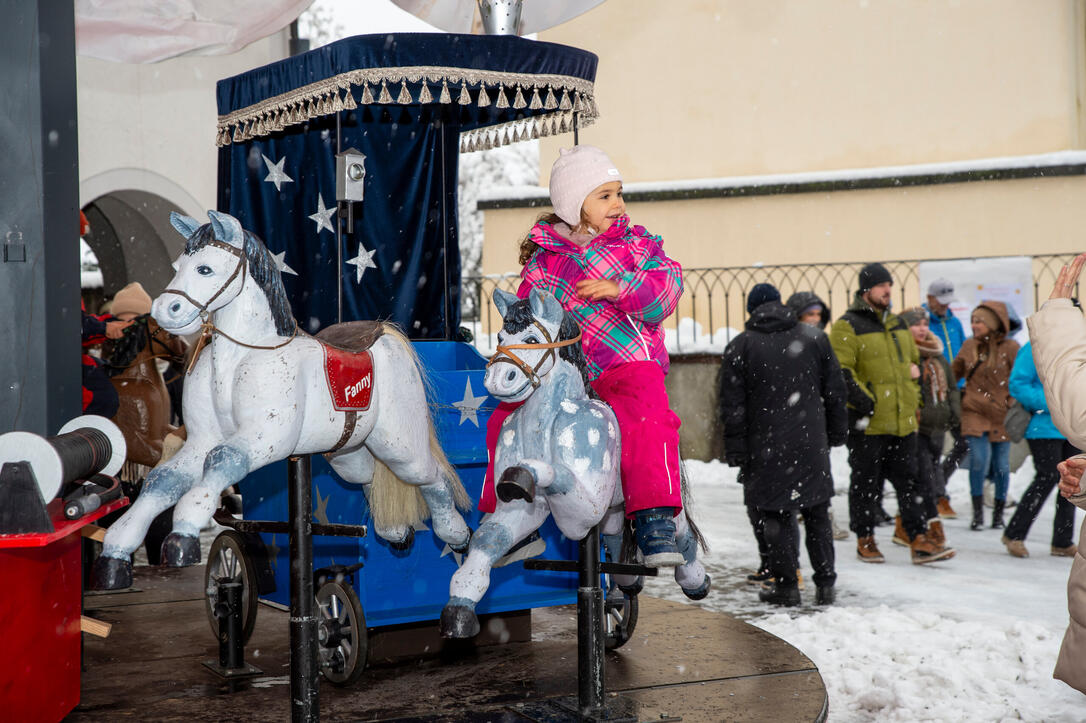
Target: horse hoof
[
  {"x": 406, "y": 543},
  {"x": 517, "y": 483},
  {"x": 462, "y": 548},
  {"x": 111, "y": 573},
  {"x": 180, "y": 550},
  {"x": 700, "y": 591},
  {"x": 458, "y": 621},
  {"x": 634, "y": 589}
]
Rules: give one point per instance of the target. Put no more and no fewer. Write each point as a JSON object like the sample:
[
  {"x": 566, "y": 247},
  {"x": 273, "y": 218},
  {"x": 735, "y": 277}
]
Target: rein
[
  {"x": 502, "y": 354},
  {"x": 208, "y": 328}
]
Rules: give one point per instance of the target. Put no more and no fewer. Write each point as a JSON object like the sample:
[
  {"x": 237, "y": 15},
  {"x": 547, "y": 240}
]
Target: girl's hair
[{"x": 529, "y": 247}]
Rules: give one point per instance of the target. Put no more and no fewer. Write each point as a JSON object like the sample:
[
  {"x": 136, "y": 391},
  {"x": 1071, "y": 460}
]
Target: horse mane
[
  {"x": 123, "y": 351},
  {"x": 262, "y": 269},
  {"x": 519, "y": 316}
]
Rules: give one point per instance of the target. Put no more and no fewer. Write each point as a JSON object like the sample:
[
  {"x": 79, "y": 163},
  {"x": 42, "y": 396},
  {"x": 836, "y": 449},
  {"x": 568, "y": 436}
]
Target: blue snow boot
[{"x": 655, "y": 532}]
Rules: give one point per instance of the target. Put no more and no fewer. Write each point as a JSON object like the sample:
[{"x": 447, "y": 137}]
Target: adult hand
[
  {"x": 115, "y": 329},
  {"x": 914, "y": 371},
  {"x": 1067, "y": 278},
  {"x": 1071, "y": 475},
  {"x": 597, "y": 289}
]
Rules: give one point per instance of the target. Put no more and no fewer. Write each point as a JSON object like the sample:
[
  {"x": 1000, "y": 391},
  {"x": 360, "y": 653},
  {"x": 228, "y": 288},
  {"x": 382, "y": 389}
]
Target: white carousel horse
[
  {"x": 260, "y": 393},
  {"x": 557, "y": 454}
]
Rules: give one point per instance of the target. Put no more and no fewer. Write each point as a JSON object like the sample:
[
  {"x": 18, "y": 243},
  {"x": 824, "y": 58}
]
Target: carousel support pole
[
  {"x": 576, "y": 130},
  {"x": 590, "y": 648},
  {"x": 304, "y": 700}
]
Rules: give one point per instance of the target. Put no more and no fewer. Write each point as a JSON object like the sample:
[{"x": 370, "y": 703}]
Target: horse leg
[
  {"x": 162, "y": 489},
  {"x": 357, "y": 466},
  {"x": 509, "y": 524},
  {"x": 227, "y": 463},
  {"x": 690, "y": 575},
  {"x": 415, "y": 464},
  {"x": 578, "y": 502}
]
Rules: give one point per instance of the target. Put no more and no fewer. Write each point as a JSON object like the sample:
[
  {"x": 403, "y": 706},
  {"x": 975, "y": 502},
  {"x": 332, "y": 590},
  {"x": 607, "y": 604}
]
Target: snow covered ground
[{"x": 971, "y": 639}]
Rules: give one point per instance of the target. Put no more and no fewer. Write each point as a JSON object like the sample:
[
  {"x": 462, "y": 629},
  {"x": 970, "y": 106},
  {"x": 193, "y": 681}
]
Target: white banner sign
[{"x": 1006, "y": 279}]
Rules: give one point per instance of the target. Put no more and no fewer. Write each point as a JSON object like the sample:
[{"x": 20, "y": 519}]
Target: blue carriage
[{"x": 344, "y": 160}]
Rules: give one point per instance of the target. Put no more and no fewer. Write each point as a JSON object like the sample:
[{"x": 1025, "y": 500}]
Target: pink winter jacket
[
  {"x": 617, "y": 331},
  {"x": 1058, "y": 333}
]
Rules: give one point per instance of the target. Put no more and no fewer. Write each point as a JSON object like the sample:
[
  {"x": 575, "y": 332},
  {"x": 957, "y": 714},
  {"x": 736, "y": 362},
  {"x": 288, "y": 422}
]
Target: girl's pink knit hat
[{"x": 577, "y": 172}]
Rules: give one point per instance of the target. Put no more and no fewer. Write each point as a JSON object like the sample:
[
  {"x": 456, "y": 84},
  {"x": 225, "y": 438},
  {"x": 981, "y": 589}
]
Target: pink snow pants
[{"x": 650, "y": 437}]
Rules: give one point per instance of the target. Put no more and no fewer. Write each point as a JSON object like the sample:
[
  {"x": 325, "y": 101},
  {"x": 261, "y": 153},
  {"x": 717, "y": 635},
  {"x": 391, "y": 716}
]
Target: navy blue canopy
[{"x": 410, "y": 103}]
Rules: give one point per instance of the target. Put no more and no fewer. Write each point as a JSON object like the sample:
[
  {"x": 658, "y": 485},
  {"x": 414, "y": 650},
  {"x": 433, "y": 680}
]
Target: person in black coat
[{"x": 783, "y": 405}]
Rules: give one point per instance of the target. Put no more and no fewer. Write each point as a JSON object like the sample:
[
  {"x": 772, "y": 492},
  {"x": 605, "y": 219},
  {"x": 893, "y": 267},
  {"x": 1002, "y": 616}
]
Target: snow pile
[{"x": 973, "y": 638}]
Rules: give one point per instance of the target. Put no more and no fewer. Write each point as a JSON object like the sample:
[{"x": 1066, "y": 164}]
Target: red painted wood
[{"x": 41, "y": 577}]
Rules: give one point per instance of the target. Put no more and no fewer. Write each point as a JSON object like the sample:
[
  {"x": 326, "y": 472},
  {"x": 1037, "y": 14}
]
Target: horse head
[
  {"x": 533, "y": 330},
  {"x": 219, "y": 257}
]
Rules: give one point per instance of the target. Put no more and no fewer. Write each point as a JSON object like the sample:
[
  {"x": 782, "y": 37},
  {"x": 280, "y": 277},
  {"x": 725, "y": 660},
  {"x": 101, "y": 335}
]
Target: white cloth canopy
[
  {"x": 137, "y": 31},
  {"x": 458, "y": 16}
]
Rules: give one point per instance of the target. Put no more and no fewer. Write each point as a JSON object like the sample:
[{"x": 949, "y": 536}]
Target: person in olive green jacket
[{"x": 879, "y": 360}]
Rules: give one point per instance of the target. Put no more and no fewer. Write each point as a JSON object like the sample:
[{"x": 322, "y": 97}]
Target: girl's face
[
  {"x": 602, "y": 207},
  {"x": 980, "y": 329},
  {"x": 919, "y": 330}
]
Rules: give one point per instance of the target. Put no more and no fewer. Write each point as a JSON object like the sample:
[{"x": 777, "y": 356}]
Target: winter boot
[
  {"x": 901, "y": 537},
  {"x": 655, "y": 532},
  {"x": 825, "y": 595},
  {"x": 978, "y": 513},
  {"x": 867, "y": 550},
  {"x": 997, "y": 514},
  {"x": 924, "y": 550},
  {"x": 945, "y": 510},
  {"x": 936, "y": 533},
  {"x": 1017, "y": 548},
  {"x": 760, "y": 577},
  {"x": 1068, "y": 551},
  {"x": 780, "y": 594}
]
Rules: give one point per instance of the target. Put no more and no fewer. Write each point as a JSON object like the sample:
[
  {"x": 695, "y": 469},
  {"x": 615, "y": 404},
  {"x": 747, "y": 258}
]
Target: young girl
[{"x": 621, "y": 286}]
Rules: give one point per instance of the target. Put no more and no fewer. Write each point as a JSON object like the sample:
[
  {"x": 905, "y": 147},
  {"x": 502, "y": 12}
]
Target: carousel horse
[
  {"x": 144, "y": 412},
  {"x": 259, "y": 390},
  {"x": 557, "y": 454}
]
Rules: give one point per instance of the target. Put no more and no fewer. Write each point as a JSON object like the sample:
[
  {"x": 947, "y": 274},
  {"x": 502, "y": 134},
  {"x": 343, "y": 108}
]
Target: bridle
[
  {"x": 207, "y": 327},
  {"x": 502, "y": 354}
]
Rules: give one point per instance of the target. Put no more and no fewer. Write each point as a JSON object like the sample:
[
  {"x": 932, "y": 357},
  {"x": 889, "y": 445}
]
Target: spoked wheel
[
  {"x": 228, "y": 562},
  {"x": 343, "y": 641},
  {"x": 619, "y": 615}
]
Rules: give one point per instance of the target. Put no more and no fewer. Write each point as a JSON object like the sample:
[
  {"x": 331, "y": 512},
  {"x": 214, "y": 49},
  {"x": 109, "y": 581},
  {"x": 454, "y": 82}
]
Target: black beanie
[
  {"x": 872, "y": 275},
  {"x": 760, "y": 294}
]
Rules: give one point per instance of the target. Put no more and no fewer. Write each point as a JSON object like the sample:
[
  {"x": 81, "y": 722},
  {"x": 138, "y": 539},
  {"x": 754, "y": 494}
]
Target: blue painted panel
[{"x": 397, "y": 587}]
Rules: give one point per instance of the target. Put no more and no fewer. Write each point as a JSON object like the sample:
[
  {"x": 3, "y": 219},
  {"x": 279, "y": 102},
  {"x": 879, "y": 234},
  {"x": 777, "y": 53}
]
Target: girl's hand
[
  {"x": 1067, "y": 278},
  {"x": 597, "y": 289},
  {"x": 1071, "y": 474},
  {"x": 914, "y": 371}
]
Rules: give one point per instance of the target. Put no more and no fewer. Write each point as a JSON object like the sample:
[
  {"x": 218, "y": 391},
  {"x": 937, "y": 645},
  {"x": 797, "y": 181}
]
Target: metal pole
[
  {"x": 304, "y": 700},
  {"x": 339, "y": 232},
  {"x": 590, "y": 659}
]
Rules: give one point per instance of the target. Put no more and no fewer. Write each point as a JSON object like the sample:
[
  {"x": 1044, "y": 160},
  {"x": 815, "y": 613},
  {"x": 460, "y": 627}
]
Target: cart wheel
[
  {"x": 227, "y": 561},
  {"x": 341, "y": 634},
  {"x": 619, "y": 616}
]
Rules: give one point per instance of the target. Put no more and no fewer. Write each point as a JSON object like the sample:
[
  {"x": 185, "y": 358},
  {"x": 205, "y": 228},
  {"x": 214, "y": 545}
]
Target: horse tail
[
  {"x": 687, "y": 497},
  {"x": 393, "y": 501}
]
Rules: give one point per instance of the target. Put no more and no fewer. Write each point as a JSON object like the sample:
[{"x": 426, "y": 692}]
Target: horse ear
[
  {"x": 185, "y": 225},
  {"x": 545, "y": 306},
  {"x": 227, "y": 228},
  {"x": 503, "y": 300}
]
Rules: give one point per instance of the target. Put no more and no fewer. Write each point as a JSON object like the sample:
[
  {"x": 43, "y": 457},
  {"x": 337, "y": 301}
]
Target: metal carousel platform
[{"x": 683, "y": 663}]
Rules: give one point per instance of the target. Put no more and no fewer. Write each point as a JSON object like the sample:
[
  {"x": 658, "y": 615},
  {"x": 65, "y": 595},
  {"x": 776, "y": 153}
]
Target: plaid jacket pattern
[{"x": 615, "y": 331}]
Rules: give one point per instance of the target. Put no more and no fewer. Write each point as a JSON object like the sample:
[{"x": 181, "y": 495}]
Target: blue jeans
[{"x": 981, "y": 451}]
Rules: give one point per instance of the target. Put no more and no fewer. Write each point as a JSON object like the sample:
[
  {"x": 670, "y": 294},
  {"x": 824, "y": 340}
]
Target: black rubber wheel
[
  {"x": 228, "y": 561},
  {"x": 342, "y": 638}
]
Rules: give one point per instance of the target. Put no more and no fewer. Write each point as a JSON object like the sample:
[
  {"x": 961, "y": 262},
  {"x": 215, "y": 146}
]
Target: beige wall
[
  {"x": 152, "y": 127},
  {"x": 731, "y": 88},
  {"x": 709, "y": 88}
]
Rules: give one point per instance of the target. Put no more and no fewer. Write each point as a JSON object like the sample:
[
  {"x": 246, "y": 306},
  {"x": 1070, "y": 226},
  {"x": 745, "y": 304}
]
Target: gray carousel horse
[{"x": 557, "y": 454}]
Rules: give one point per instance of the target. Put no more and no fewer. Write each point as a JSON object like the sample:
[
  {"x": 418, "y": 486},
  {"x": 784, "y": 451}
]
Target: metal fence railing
[{"x": 713, "y": 307}]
